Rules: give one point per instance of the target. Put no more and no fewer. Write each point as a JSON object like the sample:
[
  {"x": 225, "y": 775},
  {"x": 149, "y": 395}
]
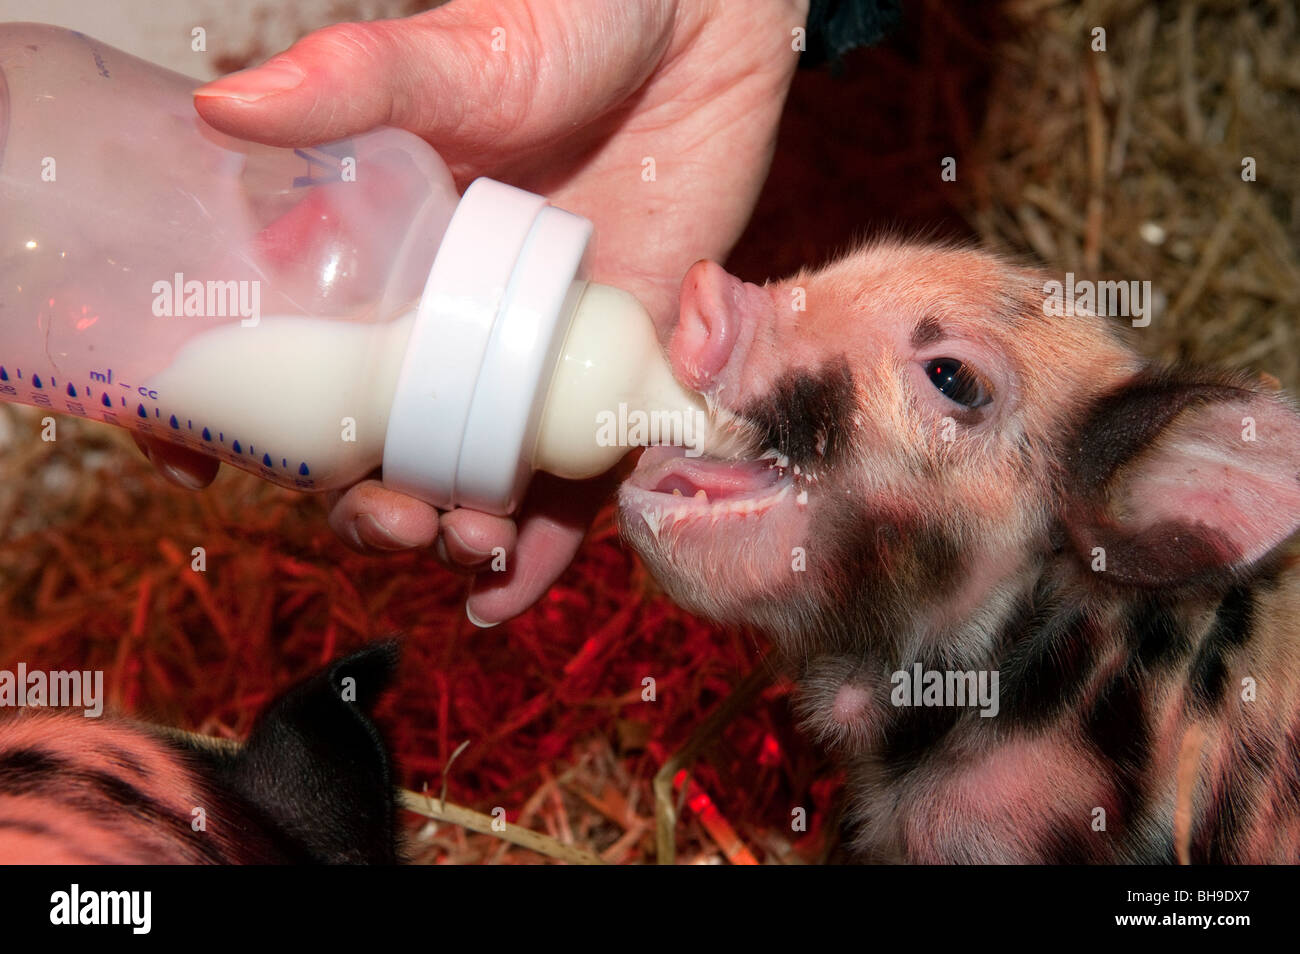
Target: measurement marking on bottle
[{"x": 235, "y": 455}]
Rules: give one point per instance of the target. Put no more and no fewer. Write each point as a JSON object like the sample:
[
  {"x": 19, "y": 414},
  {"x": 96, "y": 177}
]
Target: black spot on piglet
[{"x": 804, "y": 416}]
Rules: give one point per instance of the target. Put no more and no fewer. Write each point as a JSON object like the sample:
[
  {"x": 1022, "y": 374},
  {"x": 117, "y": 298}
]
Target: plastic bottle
[{"x": 305, "y": 314}]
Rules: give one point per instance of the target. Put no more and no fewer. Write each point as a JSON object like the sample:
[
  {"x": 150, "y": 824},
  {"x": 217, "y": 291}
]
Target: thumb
[{"x": 473, "y": 79}]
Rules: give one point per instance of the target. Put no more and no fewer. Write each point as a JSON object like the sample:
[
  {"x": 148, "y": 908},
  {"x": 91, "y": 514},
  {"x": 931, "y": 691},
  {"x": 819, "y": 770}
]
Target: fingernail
[
  {"x": 373, "y": 533},
  {"x": 476, "y": 555},
  {"x": 178, "y": 476},
  {"x": 478, "y": 622},
  {"x": 248, "y": 86}
]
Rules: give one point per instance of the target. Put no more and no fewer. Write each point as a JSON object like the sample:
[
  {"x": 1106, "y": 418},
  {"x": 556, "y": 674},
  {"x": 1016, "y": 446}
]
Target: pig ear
[{"x": 1179, "y": 480}]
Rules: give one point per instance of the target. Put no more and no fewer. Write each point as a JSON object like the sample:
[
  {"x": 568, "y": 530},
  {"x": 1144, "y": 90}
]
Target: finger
[
  {"x": 182, "y": 466},
  {"x": 556, "y": 516},
  {"x": 475, "y": 79},
  {"x": 469, "y": 539},
  {"x": 370, "y": 517}
]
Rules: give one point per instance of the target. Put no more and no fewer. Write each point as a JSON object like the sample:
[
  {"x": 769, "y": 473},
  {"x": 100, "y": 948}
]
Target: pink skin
[
  {"x": 990, "y": 809},
  {"x": 709, "y": 325},
  {"x": 583, "y": 92},
  {"x": 852, "y": 703}
]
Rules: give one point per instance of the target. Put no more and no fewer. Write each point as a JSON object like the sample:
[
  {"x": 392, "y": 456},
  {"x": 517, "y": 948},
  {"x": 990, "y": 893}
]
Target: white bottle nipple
[{"x": 613, "y": 390}]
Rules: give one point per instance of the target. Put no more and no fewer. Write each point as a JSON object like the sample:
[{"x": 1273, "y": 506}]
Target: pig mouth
[{"x": 668, "y": 480}]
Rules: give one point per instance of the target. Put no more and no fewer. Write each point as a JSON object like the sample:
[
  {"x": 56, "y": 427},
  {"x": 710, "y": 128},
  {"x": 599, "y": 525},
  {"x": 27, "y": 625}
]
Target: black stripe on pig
[
  {"x": 123, "y": 760},
  {"x": 1047, "y": 666},
  {"x": 1153, "y": 633},
  {"x": 914, "y": 732},
  {"x": 1236, "y": 796},
  {"x": 1231, "y": 630},
  {"x": 1118, "y": 728}
]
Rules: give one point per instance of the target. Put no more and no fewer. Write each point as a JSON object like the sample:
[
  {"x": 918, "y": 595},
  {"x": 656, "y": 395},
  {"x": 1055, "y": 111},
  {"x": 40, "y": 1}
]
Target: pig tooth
[
  {"x": 783, "y": 462},
  {"x": 796, "y": 470},
  {"x": 802, "y": 498},
  {"x": 701, "y": 496},
  {"x": 676, "y": 492},
  {"x": 653, "y": 520}
]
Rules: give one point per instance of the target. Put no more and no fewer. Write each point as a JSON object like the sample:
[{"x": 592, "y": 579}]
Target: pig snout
[{"x": 716, "y": 324}]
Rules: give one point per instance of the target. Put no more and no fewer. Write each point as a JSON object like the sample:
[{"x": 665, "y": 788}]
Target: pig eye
[{"x": 958, "y": 382}]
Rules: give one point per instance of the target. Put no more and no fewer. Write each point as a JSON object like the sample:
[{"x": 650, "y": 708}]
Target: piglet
[{"x": 1034, "y": 586}]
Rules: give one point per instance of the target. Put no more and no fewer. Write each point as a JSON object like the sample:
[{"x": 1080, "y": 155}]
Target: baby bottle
[{"x": 311, "y": 314}]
